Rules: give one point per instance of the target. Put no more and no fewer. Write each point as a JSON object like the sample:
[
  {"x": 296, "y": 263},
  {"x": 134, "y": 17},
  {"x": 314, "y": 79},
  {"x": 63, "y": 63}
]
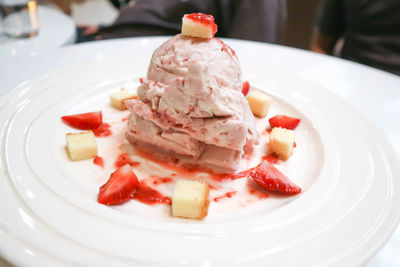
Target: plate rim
[{"x": 388, "y": 148}]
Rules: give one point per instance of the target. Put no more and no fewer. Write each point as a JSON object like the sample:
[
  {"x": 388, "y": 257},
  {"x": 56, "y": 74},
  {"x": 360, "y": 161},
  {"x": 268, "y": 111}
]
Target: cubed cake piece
[
  {"x": 190, "y": 199},
  {"x": 117, "y": 99},
  {"x": 199, "y": 25},
  {"x": 81, "y": 145},
  {"x": 281, "y": 142},
  {"x": 259, "y": 103}
]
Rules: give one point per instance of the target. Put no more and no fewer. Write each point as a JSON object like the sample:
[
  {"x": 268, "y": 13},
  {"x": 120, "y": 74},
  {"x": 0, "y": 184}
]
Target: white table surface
[
  {"x": 349, "y": 80},
  {"x": 55, "y": 29}
]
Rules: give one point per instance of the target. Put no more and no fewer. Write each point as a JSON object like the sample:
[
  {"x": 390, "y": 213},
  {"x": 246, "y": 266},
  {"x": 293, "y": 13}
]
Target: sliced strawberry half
[
  {"x": 84, "y": 121},
  {"x": 120, "y": 188},
  {"x": 245, "y": 88},
  {"x": 273, "y": 180},
  {"x": 284, "y": 121}
]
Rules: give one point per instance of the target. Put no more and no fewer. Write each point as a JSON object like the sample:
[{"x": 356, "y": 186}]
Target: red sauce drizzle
[
  {"x": 141, "y": 80},
  {"x": 248, "y": 152},
  {"x": 161, "y": 180},
  {"x": 103, "y": 130},
  {"x": 226, "y": 47},
  {"x": 226, "y": 195},
  {"x": 268, "y": 130},
  {"x": 257, "y": 193},
  {"x": 294, "y": 144},
  {"x": 271, "y": 159},
  {"x": 256, "y": 190},
  {"x": 99, "y": 161},
  {"x": 203, "y": 19},
  {"x": 212, "y": 187},
  {"x": 123, "y": 159},
  {"x": 221, "y": 177},
  {"x": 191, "y": 171},
  {"x": 167, "y": 164},
  {"x": 150, "y": 196}
]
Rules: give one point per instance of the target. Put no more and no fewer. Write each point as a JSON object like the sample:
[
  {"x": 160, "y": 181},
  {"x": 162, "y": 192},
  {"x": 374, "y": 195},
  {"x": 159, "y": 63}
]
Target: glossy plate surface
[{"x": 346, "y": 167}]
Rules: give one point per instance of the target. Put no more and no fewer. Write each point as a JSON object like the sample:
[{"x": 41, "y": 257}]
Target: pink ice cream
[{"x": 191, "y": 104}]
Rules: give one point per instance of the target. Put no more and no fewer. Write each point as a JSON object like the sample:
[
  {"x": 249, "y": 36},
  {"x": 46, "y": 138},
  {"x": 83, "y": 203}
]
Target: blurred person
[
  {"x": 370, "y": 30},
  {"x": 258, "y": 20}
]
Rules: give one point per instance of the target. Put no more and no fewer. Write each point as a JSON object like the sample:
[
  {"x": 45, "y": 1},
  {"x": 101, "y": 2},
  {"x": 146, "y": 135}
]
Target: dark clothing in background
[
  {"x": 370, "y": 28},
  {"x": 258, "y": 20}
]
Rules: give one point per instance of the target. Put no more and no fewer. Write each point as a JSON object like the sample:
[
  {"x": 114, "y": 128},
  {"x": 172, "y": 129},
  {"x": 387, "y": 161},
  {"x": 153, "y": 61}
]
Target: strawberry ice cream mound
[{"x": 191, "y": 104}]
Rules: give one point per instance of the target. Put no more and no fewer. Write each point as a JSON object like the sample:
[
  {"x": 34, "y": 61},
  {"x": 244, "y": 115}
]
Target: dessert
[
  {"x": 259, "y": 103},
  {"x": 191, "y": 104},
  {"x": 191, "y": 111},
  {"x": 281, "y": 142},
  {"x": 117, "y": 99},
  {"x": 81, "y": 145},
  {"x": 190, "y": 199}
]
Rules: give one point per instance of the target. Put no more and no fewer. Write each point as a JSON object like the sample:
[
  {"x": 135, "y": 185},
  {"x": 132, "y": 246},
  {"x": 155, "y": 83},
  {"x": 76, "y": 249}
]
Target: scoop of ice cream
[
  {"x": 202, "y": 77},
  {"x": 193, "y": 87}
]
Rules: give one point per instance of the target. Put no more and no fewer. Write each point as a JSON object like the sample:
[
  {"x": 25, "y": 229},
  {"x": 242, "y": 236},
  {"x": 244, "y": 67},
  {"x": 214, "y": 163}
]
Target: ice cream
[{"x": 191, "y": 103}]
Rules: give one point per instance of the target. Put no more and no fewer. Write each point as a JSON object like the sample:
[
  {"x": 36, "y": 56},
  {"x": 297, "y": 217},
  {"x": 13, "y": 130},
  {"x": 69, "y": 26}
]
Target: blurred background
[
  {"x": 364, "y": 31},
  {"x": 301, "y": 16}
]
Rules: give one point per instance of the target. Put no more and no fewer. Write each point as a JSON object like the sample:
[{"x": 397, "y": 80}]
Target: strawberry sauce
[
  {"x": 169, "y": 164},
  {"x": 185, "y": 172},
  {"x": 98, "y": 161},
  {"x": 271, "y": 159},
  {"x": 161, "y": 180},
  {"x": 150, "y": 196},
  {"x": 256, "y": 190},
  {"x": 212, "y": 187},
  {"x": 123, "y": 159},
  {"x": 192, "y": 171},
  {"x": 103, "y": 130},
  {"x": 226, "y": 195},
  {"x": 257, "y": 193},
  {"x": 221, "y": 177},
  {"x": 226, "y": 47}
]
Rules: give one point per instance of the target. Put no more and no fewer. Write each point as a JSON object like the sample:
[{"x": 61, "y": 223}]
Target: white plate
[{"x": 345, "y": 166}]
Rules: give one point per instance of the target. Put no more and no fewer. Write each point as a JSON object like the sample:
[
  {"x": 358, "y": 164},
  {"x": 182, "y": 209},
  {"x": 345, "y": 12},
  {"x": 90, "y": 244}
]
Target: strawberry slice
[
  {"x": 245, "y": 88},
  {"x": 284, "y": 121},
  {"x": 273, "y": 180},
  {"x": 119, "y": 188},
  {"x": 84, "y": 121}
]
